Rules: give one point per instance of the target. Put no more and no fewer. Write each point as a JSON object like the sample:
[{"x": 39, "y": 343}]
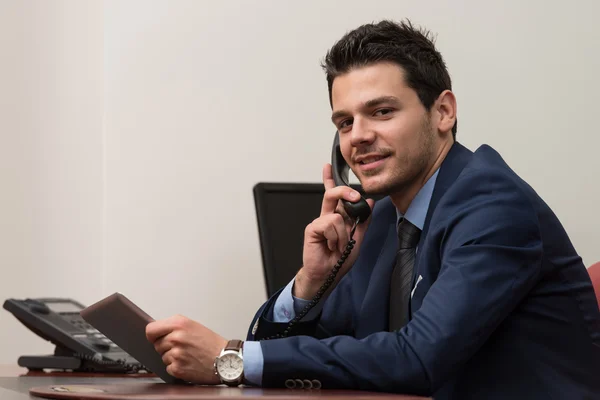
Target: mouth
[{"x": 370, "y": 162}]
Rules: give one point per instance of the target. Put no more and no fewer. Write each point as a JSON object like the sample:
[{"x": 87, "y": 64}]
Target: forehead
[{"x": 361, "y": 84}]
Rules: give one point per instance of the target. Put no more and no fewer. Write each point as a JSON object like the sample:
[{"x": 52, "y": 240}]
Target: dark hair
[{"x": 411, "y": 48}]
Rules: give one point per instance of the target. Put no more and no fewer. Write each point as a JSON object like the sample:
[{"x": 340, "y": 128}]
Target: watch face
[{"x": 230, "y": 366}]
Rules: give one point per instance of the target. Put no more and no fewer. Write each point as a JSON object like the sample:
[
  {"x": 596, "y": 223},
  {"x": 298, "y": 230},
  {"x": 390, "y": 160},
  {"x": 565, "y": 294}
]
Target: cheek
[
  {"x": 346, "y": 149},
  {"x": 406, "y": 134}
]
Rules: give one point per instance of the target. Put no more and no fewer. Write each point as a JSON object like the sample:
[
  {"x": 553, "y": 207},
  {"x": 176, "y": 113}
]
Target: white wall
[
  {"x": 51, "y": 192},
  {"x": 201, "y": 100}
]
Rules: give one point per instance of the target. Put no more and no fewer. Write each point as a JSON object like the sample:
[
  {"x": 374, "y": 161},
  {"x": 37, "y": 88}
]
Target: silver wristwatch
[{"x": 229, "y": 365}]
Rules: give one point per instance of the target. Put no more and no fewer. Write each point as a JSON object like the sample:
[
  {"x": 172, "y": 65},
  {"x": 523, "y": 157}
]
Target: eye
[
  {"x": 345, "y": 124},
  {"x": 382, "y": 112}
]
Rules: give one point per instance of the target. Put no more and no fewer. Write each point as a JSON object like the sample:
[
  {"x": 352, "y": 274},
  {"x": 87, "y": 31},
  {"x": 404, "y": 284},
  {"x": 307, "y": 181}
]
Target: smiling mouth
[
  {"x": 371, "y": 165},
  {"x": 371, "y": 160}
]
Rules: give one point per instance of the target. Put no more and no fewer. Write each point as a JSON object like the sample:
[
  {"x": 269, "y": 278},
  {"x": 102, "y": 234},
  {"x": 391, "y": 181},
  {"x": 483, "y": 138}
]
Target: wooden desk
[
  {"x": 15, "y": 383},
  {"x": 14, "y": 370}
]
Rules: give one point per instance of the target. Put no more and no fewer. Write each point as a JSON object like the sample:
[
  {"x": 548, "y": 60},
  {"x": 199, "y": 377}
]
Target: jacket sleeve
[
  {"x": 335, "y": 318},
  {"x": 491, "y": 250}
]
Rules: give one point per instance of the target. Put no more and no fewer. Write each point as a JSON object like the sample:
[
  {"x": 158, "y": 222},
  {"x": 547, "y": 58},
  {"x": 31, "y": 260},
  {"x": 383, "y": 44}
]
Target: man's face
[{"x": 385, "y": 132}]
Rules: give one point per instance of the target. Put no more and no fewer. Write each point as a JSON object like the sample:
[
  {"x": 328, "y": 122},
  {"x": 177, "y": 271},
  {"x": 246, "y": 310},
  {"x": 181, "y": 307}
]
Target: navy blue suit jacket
[{"x": 505, "y": 308}]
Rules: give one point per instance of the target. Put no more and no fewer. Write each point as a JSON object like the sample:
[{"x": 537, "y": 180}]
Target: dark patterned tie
[{"x": 408, "y": 238}]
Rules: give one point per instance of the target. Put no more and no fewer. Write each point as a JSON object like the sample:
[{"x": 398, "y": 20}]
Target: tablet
[{"x": 125, "y": 324}]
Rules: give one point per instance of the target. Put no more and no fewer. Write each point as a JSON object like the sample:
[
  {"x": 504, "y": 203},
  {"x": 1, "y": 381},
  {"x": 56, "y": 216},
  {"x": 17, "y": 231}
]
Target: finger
[
  {"x": 163, "y": 345},
  {"x": 172, "y": 356},
  {"x": 167, "y": 358},
  {"x": 331, "y": 237},
  {"x": 342, "y": 211},
  {"x": 158, "y": 329},
  {"x": 328, "y": 181},
  {"x": 175, "y": 370},
  {"x": 333, "y": 195},
  {"x": 343, "y": 234},
  {"x": 330, "y": 228}
]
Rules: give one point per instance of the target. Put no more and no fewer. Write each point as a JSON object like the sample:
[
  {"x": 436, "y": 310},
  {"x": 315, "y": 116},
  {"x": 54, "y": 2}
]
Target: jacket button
[
  {"x": 307, "y": 384},
  {"x": 299, "y": 383},
  {"x": 290, "y": 384},
  {"x": 316, "y": 384}
]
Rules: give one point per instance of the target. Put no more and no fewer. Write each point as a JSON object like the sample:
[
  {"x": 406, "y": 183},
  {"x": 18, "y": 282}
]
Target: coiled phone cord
[
  {"x": 328, "y": 282},
  {"x": 100, "y": 361}
]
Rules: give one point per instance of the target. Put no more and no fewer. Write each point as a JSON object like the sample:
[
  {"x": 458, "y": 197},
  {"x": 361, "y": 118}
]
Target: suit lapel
[
  {"x": 454, "y": 163},
  {"x": 456, "y": 160}
]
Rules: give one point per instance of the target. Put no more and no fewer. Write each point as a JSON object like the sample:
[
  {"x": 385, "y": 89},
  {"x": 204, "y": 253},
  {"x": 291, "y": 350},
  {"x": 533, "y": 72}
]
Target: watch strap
[{"x": 234, "y": 345}]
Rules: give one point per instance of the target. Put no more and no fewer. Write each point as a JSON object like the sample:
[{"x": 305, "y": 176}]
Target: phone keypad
[{"x": 92, "y": 334}]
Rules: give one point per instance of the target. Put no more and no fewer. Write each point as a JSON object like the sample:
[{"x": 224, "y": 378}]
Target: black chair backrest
[{"x": 283, "y": 211}]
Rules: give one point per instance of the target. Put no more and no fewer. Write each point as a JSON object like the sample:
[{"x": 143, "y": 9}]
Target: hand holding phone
[{"x": 327, "y": 237}]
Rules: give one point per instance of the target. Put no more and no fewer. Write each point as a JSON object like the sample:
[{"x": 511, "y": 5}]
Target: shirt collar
[{"x": 417, "y": 210}]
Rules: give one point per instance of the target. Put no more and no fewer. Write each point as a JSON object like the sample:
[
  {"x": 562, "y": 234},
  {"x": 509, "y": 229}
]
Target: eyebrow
[{"x": 368, "y": 104}]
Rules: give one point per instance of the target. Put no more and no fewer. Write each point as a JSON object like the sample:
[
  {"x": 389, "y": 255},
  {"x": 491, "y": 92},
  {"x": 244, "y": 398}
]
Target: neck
[{"x": 403, "y": 198}]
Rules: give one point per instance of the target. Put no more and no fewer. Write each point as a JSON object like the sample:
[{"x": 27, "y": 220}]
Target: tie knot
[{"x": 408, "y": 234}]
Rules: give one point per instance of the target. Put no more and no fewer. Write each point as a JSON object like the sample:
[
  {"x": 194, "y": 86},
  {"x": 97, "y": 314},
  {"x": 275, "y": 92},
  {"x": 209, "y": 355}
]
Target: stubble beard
[{"x": 410, "y": 167}]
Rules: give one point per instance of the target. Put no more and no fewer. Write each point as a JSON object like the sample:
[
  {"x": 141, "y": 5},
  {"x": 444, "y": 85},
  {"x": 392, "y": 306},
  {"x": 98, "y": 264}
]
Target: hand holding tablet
[{"x": 124, "y": 323}]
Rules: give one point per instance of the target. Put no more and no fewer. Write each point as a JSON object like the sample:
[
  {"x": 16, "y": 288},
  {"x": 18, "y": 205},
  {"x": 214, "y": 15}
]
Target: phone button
[
  {"x": 37, "y": 306},
  {"x": 101, "y": 346}
]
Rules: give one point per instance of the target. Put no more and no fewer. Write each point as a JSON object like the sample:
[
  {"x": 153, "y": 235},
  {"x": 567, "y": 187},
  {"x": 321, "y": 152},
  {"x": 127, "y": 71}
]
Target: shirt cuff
[
  {"x": 287, "y": 306},
  {"x": 253, "y": 363}
]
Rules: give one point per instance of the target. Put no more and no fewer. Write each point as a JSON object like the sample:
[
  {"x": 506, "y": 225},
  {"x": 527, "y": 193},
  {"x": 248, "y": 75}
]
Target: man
[{"x": 462, "y": 284}]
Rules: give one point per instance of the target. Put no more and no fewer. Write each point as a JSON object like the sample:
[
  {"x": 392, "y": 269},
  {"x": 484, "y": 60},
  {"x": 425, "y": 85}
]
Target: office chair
[
  {"x": 283, "y": 210},
  {"x": 594, "y": 272}
]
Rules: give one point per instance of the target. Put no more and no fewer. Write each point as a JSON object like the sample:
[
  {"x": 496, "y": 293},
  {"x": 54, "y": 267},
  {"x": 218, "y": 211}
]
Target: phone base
[
  {"x": 73, "y": 363},
  {"x": 37, "y": 363}
]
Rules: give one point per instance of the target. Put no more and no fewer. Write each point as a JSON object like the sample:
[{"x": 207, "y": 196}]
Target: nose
[{"x": 362, "y": 134}]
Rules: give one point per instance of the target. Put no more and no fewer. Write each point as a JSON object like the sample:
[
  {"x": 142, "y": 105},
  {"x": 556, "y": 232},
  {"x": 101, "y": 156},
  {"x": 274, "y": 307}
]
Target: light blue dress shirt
[{"x": 287, "y": 305}]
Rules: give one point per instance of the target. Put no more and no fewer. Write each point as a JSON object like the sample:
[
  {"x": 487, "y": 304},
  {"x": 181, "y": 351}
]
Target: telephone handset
[{"x": 359, "y": 210}]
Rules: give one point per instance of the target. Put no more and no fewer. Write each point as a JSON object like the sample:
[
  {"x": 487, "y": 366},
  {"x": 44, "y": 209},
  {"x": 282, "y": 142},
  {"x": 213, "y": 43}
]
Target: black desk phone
[{"x": 79, "y": 346}]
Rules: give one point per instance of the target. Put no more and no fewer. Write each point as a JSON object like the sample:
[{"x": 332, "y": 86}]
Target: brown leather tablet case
[{"x": 125, "y": 324}]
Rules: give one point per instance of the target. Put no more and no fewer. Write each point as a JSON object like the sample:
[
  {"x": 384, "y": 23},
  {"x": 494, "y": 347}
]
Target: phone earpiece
[{"x": 340, "y": 169}]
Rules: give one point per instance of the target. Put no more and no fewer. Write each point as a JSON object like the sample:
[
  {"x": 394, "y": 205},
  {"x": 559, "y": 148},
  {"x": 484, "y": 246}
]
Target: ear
[{"x": 445, "y": 108}]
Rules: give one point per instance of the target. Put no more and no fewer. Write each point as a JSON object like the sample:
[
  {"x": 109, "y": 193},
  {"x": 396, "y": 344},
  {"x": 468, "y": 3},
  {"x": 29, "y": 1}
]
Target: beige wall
[
  {"x": 51, "y": 185},
  {"x": 135, "y": 131}
]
